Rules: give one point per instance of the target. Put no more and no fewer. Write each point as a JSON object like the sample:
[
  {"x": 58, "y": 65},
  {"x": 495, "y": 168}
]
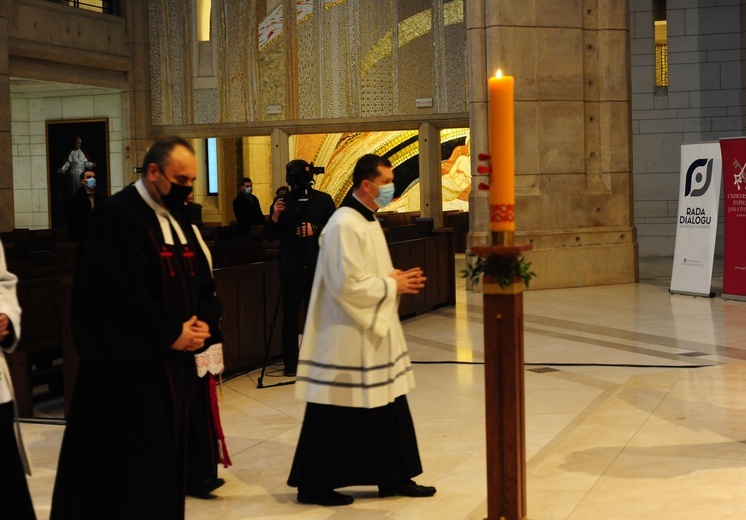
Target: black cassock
[{"x": 123, "y": 450}]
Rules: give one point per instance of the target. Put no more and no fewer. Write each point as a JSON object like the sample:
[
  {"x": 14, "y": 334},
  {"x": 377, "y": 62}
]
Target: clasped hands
[
  {"x": 410, "y": 281},
  {"x": 194, "y": 332},
  {"x": 4, "y": 326}
]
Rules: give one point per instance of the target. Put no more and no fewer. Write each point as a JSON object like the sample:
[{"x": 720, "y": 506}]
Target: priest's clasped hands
[
  {"x": 194, "y": 332},
  {"x": 410, "y": 281}
]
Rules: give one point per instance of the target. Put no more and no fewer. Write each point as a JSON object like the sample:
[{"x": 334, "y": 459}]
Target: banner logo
[
  {"x": 690, "y": 174},
  {"x": 738, "y": 178}
]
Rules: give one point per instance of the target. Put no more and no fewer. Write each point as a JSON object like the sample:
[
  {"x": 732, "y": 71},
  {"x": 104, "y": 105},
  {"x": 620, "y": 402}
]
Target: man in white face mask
[
  {"x": 354, "y": 369},
  {"x": 246, "y": 207},
  {"x": 81, "y": 206}
]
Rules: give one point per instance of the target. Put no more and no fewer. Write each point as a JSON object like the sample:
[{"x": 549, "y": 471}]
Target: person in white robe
[
  {"x": 15, "y": 499},
  {"x": 77, "y": 163},
  {"x": 354, "y": 369}
]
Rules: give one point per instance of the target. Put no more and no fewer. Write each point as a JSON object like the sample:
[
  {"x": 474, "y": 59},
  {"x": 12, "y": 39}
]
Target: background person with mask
[
  {"x": 81, "y": 206},
  {"x": 246, "y": 207}
]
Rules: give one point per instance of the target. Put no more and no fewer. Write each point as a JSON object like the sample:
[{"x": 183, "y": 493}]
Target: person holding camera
[{"x": 297, "y": 218}]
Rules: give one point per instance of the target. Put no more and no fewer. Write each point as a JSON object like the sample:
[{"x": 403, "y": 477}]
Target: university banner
[
  {"x": 734, "y": 191},
  {"x": 697, "y": 221}
]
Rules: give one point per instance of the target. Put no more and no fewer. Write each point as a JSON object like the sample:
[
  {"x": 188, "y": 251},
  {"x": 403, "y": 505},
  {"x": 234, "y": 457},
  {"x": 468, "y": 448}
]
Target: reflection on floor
[{"x": 634, "y": 402}]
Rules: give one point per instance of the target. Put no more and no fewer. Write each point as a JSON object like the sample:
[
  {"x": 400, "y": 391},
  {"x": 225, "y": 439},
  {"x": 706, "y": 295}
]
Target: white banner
[{"x": 697, "y": 221}]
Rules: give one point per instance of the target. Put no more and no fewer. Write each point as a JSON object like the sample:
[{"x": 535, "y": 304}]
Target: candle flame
[{"x": 499, "y": 74}]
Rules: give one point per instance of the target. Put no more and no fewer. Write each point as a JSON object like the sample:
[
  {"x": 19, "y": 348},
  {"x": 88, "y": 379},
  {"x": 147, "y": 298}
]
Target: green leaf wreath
[{"x": 502, "y": 269}]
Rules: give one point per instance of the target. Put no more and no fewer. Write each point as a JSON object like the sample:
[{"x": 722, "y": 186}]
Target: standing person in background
[
  {"x": 81, "y": 206},
  {"x": 246, "y": 207},
  {"x": 354, "y": 370},
  {"x": 143, "y": 301},
  {"x": 297, "y": 218},
  {"x": 15, "y": 499}
]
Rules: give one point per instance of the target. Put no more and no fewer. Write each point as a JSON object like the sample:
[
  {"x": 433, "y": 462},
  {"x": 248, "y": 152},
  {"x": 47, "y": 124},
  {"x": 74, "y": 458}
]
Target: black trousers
[
  {"x": 15, "y": 499},
  {"x": 341, "y": 446},
  {"x": 296, "y": 292}
]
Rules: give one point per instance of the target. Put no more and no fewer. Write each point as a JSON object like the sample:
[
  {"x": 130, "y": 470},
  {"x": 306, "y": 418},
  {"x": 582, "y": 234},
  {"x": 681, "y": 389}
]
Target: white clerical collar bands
[{"x": 164, "y": 216}]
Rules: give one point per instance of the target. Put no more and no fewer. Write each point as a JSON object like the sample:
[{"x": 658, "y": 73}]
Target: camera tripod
[
  {"x": 260, "y": 383},
  {"x": 300, "y": 226}
]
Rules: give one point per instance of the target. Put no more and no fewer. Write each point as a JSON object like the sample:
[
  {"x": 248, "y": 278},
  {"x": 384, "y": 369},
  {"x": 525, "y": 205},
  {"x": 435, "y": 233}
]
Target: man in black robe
[
  {"x": 80, "y": 206},
  {"x": 143, "y": 302},
  {"x": 246, "y": 207}
]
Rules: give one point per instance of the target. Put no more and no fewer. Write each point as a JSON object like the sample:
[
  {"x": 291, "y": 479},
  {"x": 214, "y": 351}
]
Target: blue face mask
[
  {"x": 91, "y": 183},
  {"x": 385, "y": 195}
]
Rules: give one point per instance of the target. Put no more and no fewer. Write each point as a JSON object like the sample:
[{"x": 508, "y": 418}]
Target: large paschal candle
[{"x": 502, "y": 153}]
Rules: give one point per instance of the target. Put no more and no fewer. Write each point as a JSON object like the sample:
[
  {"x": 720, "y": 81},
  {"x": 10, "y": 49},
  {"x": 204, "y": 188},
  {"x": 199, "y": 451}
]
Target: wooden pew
[
  {"x": 458, "y": 221},
  {"x": 40, "y": 259},
  {"x": 37, "y": 361},
  {"x": 434, "y": 254},
  {"x": 249, "y": 294}
]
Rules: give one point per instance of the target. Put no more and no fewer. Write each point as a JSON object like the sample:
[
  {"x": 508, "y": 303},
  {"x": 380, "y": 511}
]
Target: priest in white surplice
[{"x": 354, "y": 369}]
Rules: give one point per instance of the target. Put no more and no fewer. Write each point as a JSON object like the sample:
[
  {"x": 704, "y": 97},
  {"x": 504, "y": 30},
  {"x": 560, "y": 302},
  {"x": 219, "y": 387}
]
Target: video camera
[{"x": 299, "y": 176}]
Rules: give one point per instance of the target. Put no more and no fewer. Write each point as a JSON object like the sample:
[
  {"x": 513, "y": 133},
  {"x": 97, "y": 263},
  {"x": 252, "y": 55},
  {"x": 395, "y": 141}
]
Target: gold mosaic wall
[
  {"x": 172, "y": 50},
  {"x": 348, "y": 59},
  {"x": 378, "y": 60},
  {"x": 339, "y": 152},
  {"x": 236, "y": 41}
]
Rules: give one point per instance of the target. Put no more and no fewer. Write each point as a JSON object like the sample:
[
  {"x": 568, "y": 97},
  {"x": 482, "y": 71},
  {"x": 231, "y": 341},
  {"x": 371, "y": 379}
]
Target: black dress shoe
[
  {"x": 215, "y": 483},
  {"x": 407, "y": 489},
  {"x": 290, "y": 372},
  {"x": 204, "y": 489},
  {"x": 324, "y": 498}
]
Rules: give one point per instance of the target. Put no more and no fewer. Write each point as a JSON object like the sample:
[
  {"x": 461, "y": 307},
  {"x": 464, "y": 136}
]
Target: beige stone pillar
[
  {"x": 571, "y": 66},
  {"x": 227, "y": 177},
  {"x": 431, "y": 198},
  {"x": 136, "y": 113},
  {"x": 257, "y": 156},
  {"x": 280, "y": 156},
  {"x": 477, "y": 79},
  {"x": 7, "y": 218}
]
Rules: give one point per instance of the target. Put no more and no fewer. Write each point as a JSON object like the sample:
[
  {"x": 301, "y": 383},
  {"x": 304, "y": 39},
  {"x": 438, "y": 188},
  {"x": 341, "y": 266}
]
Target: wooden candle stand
[{"x": 504, "y": 391}]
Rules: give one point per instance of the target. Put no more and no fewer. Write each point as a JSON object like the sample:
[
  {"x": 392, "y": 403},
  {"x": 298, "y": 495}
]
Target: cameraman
[{"x": 297, "y": 218}]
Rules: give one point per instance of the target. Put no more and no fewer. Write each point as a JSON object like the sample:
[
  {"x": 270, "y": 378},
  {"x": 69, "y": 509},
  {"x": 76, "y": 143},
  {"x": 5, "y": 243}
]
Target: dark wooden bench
[
  {"x": 434, "y": 254},
  {"x": 36, "y": 364},
  {"x": 458, "y": 221}
]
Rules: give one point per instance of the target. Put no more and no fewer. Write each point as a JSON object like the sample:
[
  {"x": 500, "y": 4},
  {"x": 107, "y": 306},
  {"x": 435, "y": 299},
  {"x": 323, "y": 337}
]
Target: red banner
[{"x": 733, "y": 151}]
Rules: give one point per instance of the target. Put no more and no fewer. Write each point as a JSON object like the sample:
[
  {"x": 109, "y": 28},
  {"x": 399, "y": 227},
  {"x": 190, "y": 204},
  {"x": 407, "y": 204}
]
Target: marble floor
[{"x": 634, "y": 409}]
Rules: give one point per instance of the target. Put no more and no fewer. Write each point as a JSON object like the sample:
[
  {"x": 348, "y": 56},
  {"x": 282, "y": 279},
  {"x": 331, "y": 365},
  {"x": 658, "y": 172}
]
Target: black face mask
[{"x": 175, "y": 198}]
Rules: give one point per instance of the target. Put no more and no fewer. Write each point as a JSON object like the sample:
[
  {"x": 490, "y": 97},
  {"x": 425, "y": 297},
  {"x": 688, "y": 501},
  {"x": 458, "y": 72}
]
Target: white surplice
[{"x": 353, "y": 352}]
